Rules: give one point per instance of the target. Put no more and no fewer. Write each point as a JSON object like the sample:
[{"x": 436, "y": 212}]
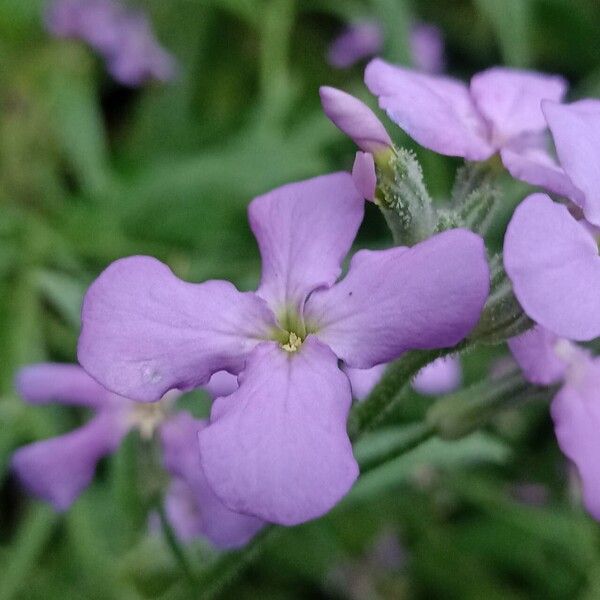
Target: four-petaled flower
[
  {"x": 59, "y": 469},
  {"x": 277, "y": 447}
]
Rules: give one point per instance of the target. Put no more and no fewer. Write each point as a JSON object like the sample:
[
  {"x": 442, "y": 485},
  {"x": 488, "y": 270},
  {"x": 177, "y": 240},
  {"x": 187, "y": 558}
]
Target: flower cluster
[
  {"x": 123, "y": 38},
  {"x": 284, "y": 363}
]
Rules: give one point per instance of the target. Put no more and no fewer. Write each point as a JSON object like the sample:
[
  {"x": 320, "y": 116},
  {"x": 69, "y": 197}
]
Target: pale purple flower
[
  {"x": 125, "y": 39},
  {"x": 497, "y": 112},
  {"x": 365, "y": 40},
  {"x": 575, "y": 408},
  {"x": 552, "y": 261},
  {"x": 575, "y": 129},
  {"x": 277, "y": 447},
  {"x": 427, "y": 48},
  {"x": 364, "y": 175},
  {"x": 355, "y": 43},
  {"x": 57, "y": 470}
]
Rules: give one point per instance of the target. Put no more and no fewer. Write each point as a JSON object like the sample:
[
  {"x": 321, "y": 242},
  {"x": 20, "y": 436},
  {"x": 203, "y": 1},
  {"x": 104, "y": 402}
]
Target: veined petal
[
  {"x": 278, "y": 448},
  {"x": 44, "y": 383},
  {"x": 427, "y": 296},
  {"x": 304, "y": 230},
  {"x": 198, "y": 510},
  {"x": 144, "y": 331},
  {"x": 576, "y": 132},
  {"x": 576, "y": 414},
  {"x": 554, "y": 267},
  {"x": 536, "y": 354},
  {"x": 436, "y": 111},
  {"x": 59, "y": 469},
  {"x": 364, "y": 176},
  {"x": 510, "y": 99}
]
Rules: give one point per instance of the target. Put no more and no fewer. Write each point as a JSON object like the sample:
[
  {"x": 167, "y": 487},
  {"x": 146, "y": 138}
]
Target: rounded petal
[
  {"x": 534, "y": 165},
  {"x": 57, "y": 470},
  {"x": 576, "y": 415},
  {"x": 361, "y": 40},
  {"x": 436, "y": 111},
  {"x": 44, "y": 383},
  {"x": 355, "y": 119},
  {"x": 364, "y": 176},
  {"x": 304, "y": 231},
  {"x": 144, "y": 331},
  {"x": 536, "y": 354},
  {"x": 278, "y": 448},
  {"x": 554, "y": 267},
  {"x": 576, "y": 132},
  {"x": 363, "y": 381},
  {"x": 192, "y": 506},
  {"x": 221, "y": 383},
  {"x": 427, "y": 48},
  {"x": 427, "y": 296},
  {"x": 442, "y": 376},
  {"x": 510, "y": 99}
]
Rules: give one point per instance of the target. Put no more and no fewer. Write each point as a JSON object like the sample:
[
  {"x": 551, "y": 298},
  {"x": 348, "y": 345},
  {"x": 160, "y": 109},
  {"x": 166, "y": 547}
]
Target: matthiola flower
[
  {"x": 277, "y": 447},
  {"x": 365, "y": 40},
  {"x": 552, "y": 261},
  {"x": 498, "y": 112},
  {"x": 59, "y": 469},
  {"x": 545, "y": 358},
  {"x": 575, "y": 129},
  {"x": 124, "y": 38}
]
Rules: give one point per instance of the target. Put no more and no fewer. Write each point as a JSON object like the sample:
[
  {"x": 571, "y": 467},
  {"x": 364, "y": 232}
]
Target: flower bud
[{"x": 355, "y": 119}]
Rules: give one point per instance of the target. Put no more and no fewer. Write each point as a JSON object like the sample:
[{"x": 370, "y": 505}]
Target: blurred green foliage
[{"x": 90, "y": 172}]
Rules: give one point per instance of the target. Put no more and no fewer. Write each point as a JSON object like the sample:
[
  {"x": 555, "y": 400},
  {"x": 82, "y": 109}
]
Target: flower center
[
  {"x": 293, "y": 342},
  {"x": 148, "y": 417}
]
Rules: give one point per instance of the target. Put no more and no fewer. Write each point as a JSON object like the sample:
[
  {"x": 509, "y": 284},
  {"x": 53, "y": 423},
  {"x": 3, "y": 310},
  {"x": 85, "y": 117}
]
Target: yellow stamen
[{"x": 293, "y": 344}]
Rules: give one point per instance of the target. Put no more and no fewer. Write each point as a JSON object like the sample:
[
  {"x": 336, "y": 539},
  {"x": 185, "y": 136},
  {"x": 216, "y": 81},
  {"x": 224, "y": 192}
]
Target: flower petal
[
  {"x": 207, "y": 515},
  {"x": 355, "y": 119},
  {"x": 436, "y": 111},
  {"x": 304, "y": 230},
  {"x": 221, "y": 383},
  {"x": 532, "y": 163},
  {"x": 358, "y": 41},
  {"x": 536, "y": 354},
  {"x": 278, "y": 448},
  {"x": 59, "y": 469},
  {"x": 576, "y": 132},
  {"x": 427, "y": 296},
  {"x": 576, "y": 414},
  {"x": 364, "y": 176},
  {"x": 427, "y": 47},
  {"x": 44, "y": 383},
  {"x": 145, "y": 331},
  {"x": 554, "y": 267},
  {"x": 510, "y": 99},
  {"x": 442, "y": 376}
]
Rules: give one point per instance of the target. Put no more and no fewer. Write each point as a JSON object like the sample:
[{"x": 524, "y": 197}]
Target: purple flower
[
  {"x": 59, "y": 469},
  {"x": 575, "y": 408},
  {"x": 364, "y": 40},
  {"x": 123, "y": 38},
  {"x": 552, "y": 261},
  {"x": 355, "y": 43},
  {"x": 427, "y": 48},
  {"x": 575, "y": 129},
  {"x": 496, "y": 113},
  {"x": 277, "y": 447}
]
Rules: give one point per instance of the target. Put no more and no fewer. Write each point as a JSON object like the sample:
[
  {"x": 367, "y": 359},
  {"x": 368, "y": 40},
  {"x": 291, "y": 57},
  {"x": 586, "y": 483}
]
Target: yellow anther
[{"x": 293, "y": 344}]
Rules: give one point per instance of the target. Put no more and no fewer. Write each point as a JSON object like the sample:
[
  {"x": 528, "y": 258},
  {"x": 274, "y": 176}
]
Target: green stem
[
  {"x": 411, "y": 437},
  {"x": 175, "y": 547}
]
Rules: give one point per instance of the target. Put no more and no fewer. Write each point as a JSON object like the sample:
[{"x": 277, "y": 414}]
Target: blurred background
[{"x": 158, "y": 151}]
